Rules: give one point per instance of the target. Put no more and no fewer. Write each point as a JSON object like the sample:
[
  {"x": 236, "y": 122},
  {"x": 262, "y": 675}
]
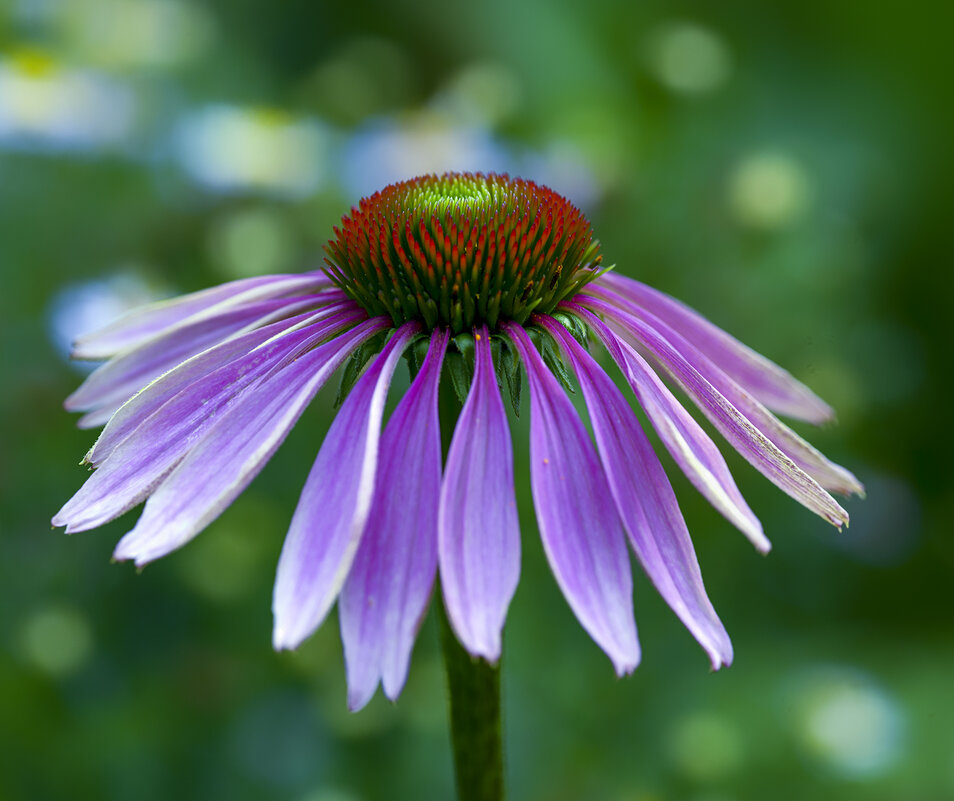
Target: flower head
[
  {"x": 462, "y": 250},
  {"x": 468, "y": 277}
]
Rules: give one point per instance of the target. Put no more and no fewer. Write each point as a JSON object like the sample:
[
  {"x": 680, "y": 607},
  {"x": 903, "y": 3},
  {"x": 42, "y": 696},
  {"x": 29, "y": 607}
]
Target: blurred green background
[{"x": 782, "y": 167}]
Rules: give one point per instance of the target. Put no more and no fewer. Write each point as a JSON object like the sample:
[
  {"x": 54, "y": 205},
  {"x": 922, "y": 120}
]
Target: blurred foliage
[{"x": 783, "y": 167}]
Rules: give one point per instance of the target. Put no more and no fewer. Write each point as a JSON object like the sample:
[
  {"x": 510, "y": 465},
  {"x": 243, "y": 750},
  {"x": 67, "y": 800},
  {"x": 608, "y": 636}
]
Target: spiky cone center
[{"x": 462, "y": 250}]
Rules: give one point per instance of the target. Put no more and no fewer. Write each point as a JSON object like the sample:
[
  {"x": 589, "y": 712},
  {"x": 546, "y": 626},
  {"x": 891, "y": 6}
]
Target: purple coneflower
[{"x": 468, "y": 277}]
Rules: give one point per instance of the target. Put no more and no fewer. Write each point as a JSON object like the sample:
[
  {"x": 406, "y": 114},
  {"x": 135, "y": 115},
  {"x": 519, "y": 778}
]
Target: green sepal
[
  {"x": 573, "y": 324},
  {"x": 459, "y": 362},
  {"x": 416, "y": 353},
  {"x": 467, "y": 348},
  {"x": 548, "y": 349},
  {"x": 507, "y": 363},
  {"x": 460, "y": 375},
  {"x": 356, "y": 364}
]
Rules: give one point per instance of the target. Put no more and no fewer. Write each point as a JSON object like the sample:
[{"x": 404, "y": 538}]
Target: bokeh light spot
[
  {"x": 251, "y": 242},
  {"x": 80, "y": 308},
  {"x": 689, "y": 58},
  {"x": 390, "y": 150},
  {"x": 225, "y": 564},
  {"x": 851, "y": 725},
  {"x": 232, "y": 149},
  {"x": 367, "y": 76},
  {"x": 57, "y": 639},
  {"x": 480, "y": 94},
  {"x": 705, "y": 747},
  {"x": 768, "y": 191},
  {"x": 137, "y": 33},
  {"x": 45, "y": 105}
]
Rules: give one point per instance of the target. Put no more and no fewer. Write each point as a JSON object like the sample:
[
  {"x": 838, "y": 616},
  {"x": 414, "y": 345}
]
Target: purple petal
[
  {"x": 828, "y": 474},
  {"x": 135, "y": 411},
  {"x": 478, "y": 530},
  {"x": 690, "y": 446},
  {"x": 388, "y": 588},
  {"x": 333, "y": 509},
  {"x": 751, "y": 443},
  {"x": 111, "y": 385},
  {"x": 645, "y": 500},
  {"x": 234, "y": 450},
  {"x": 580, "y": 528},
  {"x": 142, "y": 460},
  {"x": 142, "y": 324},
  {"x": 771, "y": 384}
]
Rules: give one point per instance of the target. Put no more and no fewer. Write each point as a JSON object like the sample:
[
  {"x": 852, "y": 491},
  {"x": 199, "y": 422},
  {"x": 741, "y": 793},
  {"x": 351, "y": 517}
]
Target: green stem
[
  {"x": 474, "y": 689},
  {"x": 473, "y": 684}
]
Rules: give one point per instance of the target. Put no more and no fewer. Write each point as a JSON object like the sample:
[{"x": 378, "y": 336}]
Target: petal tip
[
  {"x": 356, "y": 704},
  {"x": 488, "y": 650},
  {"x": 120, "y": 557},
  {"x": 282, "y": 642},
  {"x": 393, "y": 691},
  {"x": 855, "y": 487},
  {"x": 490, "y": 654},
  {"x": 720, "y": 656},
  {"x": 625, "y": 668},
  {"x": 359, "y": 700},
  {"x": 72, "y": 522},
  {"x": 290, "y": 629},
  {"x": 839, "y": 520},
  {"x": 480, "y": 645},
  {"x": 285, "y": 635},
  {"x": 128, "y": 551},
  {"x": 755, "y": 534},
  {"x": 625, "y": 662},
  {"x": 815, "y": 411}
]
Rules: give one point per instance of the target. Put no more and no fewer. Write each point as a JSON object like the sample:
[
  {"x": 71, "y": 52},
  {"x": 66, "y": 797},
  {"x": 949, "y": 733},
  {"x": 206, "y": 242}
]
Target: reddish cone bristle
[{"x": 461, "y": 250}]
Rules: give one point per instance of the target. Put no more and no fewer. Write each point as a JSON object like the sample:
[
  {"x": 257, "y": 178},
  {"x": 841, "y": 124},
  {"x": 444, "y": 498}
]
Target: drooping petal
[
  {"x": 690, "y": 446},
  {"x": 112, "y": 384},
  {"x": 333, "y": 509},
  {"x": 478, "y": 530},
  {"x": 140, "y": 462},
  {"x": 771, "y": 384},
  {"x": 579, "y": 525},
  {"x": 387, "y": 590},
  {"x": 138, "y": 408},
  {"x": 645, "y": 500},
  {"x": 143, "y": 324},
  {"x": 234, "y": 450},
  {"x": 829, "y": 475},
  {"x": 751, "y": 443}
]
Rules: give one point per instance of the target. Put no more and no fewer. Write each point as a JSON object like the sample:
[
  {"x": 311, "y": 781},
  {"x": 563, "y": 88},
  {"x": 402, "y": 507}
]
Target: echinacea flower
[{"x": 468, "y": 277}]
